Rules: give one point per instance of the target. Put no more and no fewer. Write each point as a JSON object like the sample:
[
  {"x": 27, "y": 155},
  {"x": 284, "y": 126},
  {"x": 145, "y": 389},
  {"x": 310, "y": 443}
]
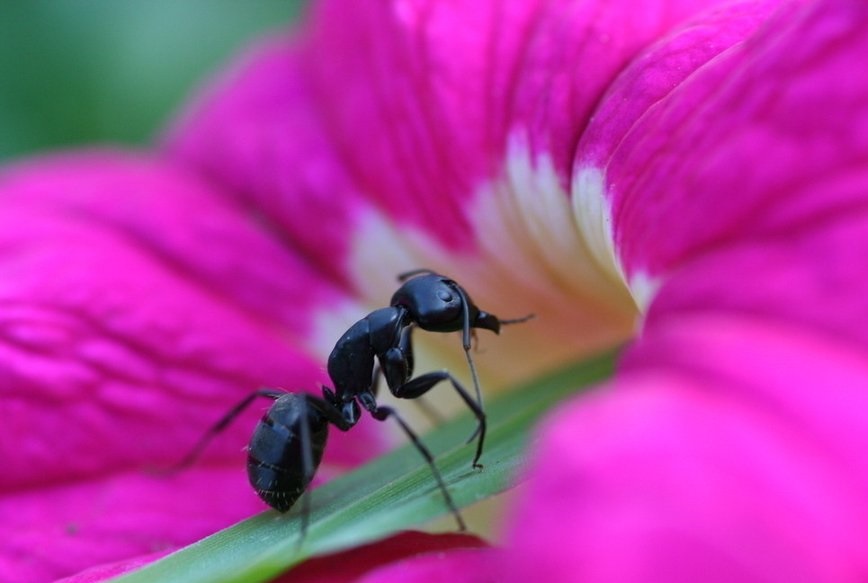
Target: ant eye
[{"x": 444, "y": 295}]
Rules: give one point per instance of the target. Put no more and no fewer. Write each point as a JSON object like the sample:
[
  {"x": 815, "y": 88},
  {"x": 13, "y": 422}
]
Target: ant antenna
[
  {"x": 519, "y": 320},
  {"x": 466, "y": 342}
]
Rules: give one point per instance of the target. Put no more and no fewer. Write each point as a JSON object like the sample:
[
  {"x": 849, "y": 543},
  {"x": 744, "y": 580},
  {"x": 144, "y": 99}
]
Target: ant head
[{"x": 438, "y": 304}]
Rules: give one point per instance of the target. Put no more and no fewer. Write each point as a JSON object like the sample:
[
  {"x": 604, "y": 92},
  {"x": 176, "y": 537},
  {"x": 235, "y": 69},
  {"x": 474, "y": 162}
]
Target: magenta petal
[
  {"x": 424, "y": 133},
  {"x": 257, "y": 134},
  {"x": 731, "y": 446},
  {"x": 56, "y": 530},
  {"x": 404, "y": 547},
  {"x": 742, "y": 185},
  {"x": 455, "y": 566},
  {"x": 435, "y": 90},
  {"x": 137, "y": 306},
  {"x": 739, "y": 152},
  {"x": 408, "y": 107},
  {"x": 729, "y": 450},
  {"x": 660, "y": 70}
]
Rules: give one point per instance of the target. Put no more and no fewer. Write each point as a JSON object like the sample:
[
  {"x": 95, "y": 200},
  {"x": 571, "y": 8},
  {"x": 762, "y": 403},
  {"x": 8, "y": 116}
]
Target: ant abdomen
[{"x": 277, "y": 450}]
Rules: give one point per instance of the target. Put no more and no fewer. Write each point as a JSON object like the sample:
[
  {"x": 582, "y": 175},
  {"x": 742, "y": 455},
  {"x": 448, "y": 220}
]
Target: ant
[{"x": 288, "y": 443}]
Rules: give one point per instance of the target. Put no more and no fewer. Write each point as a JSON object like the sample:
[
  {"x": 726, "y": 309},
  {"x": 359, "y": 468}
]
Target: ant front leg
[
  {"x": 420, "y": 385},
  {"x": 397, "y": 368},
  {"x": 383, "y": 413}
]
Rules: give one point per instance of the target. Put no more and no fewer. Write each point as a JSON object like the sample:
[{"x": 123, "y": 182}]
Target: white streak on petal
[
  {"x": 525, "y": 221},
  {"x": 534, "y": 247},
  {"x": 594, "y": 216},
  {"x": 644, "y": 288},
  {"x": 380, "y": 251}
]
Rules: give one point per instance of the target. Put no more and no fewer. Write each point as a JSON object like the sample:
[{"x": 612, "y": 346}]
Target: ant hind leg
[
  {"x": 308, "y": 468},
  {"x": 221, "y": 425}
]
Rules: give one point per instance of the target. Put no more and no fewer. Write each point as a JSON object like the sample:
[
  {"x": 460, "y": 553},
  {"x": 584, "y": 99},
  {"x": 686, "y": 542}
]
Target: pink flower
[{"x": 705, "y": 160}]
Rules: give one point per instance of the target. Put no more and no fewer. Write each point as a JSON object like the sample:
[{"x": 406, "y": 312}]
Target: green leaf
[{"x": 387, "y": 495}]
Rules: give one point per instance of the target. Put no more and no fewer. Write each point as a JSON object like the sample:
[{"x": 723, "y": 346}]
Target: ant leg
[
  {"x": 375, "y": 380},
  {"x": 398, "y": 362},
  {"x": 383, "y": 413},
  {"x": 308, "y": 468},
  {"x": 326, "y": 409},
  {"x": 431, "y": 414},
  {"x": 224, "y": 422},
  {"x": 422, "y": 384},
  {"x": 329, "y": 411}
]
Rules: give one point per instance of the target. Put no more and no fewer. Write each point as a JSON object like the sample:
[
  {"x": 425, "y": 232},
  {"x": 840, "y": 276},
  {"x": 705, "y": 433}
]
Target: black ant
[{"x": 288, "y": 442}]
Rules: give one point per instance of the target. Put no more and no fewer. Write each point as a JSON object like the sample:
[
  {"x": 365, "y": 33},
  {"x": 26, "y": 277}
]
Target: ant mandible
[{"x": 288, "y": 443}]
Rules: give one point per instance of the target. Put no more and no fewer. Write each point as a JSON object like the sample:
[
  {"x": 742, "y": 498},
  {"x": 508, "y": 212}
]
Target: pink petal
[
  {"x": 661, "y": 69},
  {"x": 743, "y": 461},
  {"x": 437, "y": 88},
  {"x": 352, "y": 565},
  {"x": 256, "y": 135},
  {"x": 446, "y": 132},
  {"x": 132, "y": 517},
  {"x": 137, "y": 306},
  {"x": 455, "y": 566},
  {"x": 730, "y": 131},
  {"x": 373, "y": 102},
  {"x": 731, "y": 446}
]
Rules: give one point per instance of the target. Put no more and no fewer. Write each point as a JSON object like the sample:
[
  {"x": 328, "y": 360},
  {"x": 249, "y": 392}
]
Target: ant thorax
[{"x": 351, "y": 362}]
